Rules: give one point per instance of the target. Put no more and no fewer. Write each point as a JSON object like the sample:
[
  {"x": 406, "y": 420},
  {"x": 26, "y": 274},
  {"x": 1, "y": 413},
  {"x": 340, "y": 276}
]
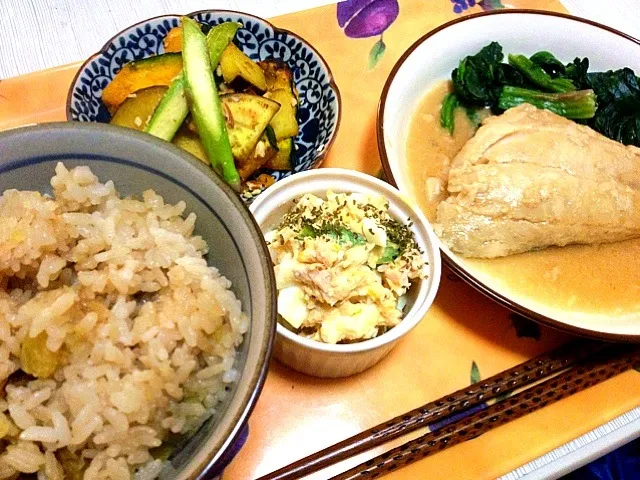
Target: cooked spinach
[
  {"x": 576, "y": 105},
  {"x": 609, "y": 102},
  {"x": 475, "y": 79},
  {"x": 539, "y": 77},
  {"x": 448, "y": 111},
  {"x": 549, "y": 63},
  {"x": 618, "y": 93},
  {"x": 576, "y": 71}
]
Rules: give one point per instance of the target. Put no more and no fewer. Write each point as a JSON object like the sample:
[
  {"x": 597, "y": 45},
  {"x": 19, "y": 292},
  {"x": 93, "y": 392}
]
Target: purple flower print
[
  {"x": 460, "y": 6},
  {"x": 368, "y": 18}
]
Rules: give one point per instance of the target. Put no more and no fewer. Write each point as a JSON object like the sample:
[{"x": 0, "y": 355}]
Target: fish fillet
[{"x": 531, "y": 179}]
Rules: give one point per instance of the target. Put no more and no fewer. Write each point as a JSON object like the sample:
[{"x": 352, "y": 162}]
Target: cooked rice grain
[{"x": 110, "y": 304}]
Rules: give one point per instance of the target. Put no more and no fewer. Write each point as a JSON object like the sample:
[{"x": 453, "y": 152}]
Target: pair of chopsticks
[{"x": 535, "y": 384}]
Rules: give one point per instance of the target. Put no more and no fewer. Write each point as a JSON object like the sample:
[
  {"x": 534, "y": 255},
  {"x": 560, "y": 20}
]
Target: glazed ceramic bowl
[
  {"x": 431, "y": 59},
  {"x": 341, "y": 360},
  {"x": 319, "y": 109},
  {"x": 135, "y": 162}
]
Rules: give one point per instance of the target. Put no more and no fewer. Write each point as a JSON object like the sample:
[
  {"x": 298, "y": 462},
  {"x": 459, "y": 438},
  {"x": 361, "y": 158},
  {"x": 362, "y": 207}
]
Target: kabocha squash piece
[
  {"x": 247, "y": 116},
  {"x": 205, "y": 105},
  {"x": 138, "y": 108},
  {"x": 283, "y": 159},
  {"x": 171, "y": 111},
  {"x": 190, "y": 142},
  {"x": 284, "y": 123},
  {"x": 277, "y": 74},
  {"x": 260, "y": 155},
  {"x": 234, "y": 63},
  {"x": 134, "y": 76},
  {"x": 173, "y": 40}
]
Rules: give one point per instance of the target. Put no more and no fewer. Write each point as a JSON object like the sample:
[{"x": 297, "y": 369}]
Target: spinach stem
[
  {"x": 579, "y": 105},
  {"x": 536, "y": 75}
]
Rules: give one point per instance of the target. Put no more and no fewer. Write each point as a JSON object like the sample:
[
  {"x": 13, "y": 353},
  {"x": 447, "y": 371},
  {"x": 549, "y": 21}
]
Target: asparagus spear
[
  {"x": 173, "y": 108},
  {"x": 204, "y": 102},
  {"x": 218, "y": 38},
  {"x": 171, "y": 112}
]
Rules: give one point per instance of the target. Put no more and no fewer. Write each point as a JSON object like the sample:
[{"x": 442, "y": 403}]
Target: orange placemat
[{"x": 298, "y": 415}]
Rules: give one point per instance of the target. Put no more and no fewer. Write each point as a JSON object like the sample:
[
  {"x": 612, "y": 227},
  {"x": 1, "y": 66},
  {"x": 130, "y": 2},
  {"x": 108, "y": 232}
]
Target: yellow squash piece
[
  {"x": 283, "y": 159},
  {"x": 277, "y": 74},
  {"x": 190, "y": 141},
  {"x": 134, "y": 76},
  {"x": 234, "y": 63},
  {"x": 284, "y": 123},
  {"x": 247, "y": 117},
  {"x": 260, "y": 155},
  {"x": 173, "y": 40},
  {"x": 138, "y": 108}
]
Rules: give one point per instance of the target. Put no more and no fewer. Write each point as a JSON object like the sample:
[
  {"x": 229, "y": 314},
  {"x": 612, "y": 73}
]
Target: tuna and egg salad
[{"x": 342, "y": 266}]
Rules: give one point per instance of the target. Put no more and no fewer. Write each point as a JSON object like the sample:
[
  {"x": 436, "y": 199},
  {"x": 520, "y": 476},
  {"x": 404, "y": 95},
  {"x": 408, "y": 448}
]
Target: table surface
[
  {"x": 58, "y": 24},
  {"x": 66, "y": 31}
]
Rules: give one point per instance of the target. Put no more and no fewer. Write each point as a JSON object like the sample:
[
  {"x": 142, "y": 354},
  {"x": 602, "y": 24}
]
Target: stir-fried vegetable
[
  {"x": 134, "y": 76},
  {"x": 171, "y": 112},
  {"x": 219, "y": 38},
  {"x": 205, "y": 104},
  {"x": 258, "y": 102},
  {"x": 173, "y": 109}
]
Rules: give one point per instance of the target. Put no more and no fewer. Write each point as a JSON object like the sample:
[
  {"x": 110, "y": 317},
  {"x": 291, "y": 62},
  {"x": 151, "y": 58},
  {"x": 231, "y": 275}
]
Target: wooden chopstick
[
  {"x": 604, "y": 365},
  {"x": 520, "y": 376}
]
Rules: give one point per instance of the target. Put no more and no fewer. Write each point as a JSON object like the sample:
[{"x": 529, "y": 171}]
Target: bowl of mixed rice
[{"x": 137, "y": 308}]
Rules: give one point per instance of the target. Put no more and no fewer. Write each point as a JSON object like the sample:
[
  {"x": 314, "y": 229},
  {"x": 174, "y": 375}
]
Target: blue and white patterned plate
[{"x": 319, "y": 109}]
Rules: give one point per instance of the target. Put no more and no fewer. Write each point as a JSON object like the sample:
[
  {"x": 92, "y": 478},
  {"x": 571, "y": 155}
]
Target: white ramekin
[{"x": 325, "y": 360}]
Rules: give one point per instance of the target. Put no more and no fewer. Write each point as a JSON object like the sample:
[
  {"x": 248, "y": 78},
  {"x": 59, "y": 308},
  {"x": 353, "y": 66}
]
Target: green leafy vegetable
[
  {"x": 609, "y": 102},
  {"x": 389, "y": 254},
  {"x": 447, "y": 113},
  {"x": 474, "y": 80},
  {"x": 575, "y": 105},
  {"x": 549, "y": 63},
  {"x": 538, "y": 76},
  {"x": 619, "y": 115},
  {"x": 576, "y": 71}
]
